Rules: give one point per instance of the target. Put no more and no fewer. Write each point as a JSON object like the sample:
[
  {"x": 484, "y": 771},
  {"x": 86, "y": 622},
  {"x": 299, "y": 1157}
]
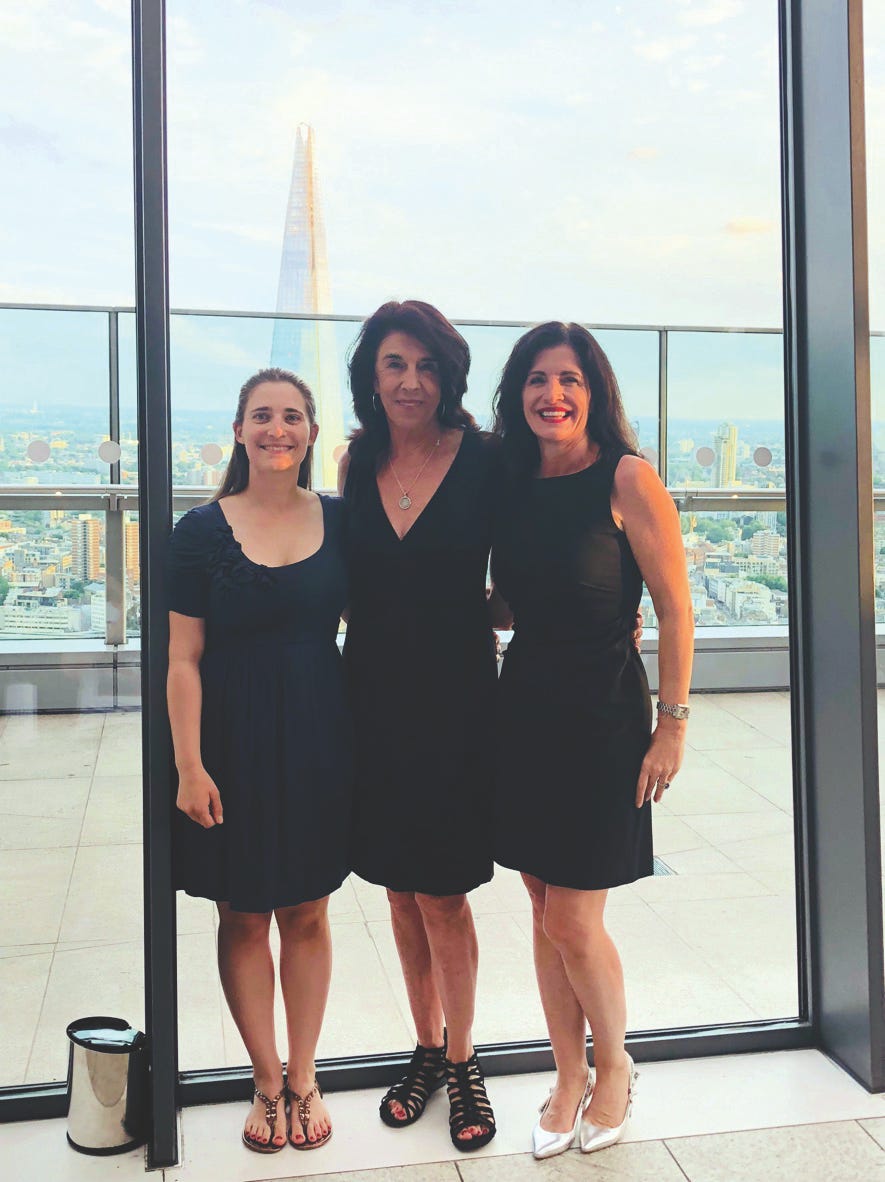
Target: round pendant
[{"x": 405, "y": 501}]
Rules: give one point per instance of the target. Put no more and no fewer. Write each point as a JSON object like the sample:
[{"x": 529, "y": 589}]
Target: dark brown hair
[
  {"x": 607, "y": 423},
  {"x": 236, "y": 476},
  {"x": 444, "y": 343}
]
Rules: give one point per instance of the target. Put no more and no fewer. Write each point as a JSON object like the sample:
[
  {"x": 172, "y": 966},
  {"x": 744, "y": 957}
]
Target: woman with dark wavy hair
[
  {"x": 257, "y": 707},
  {"x": 585, "y": 522},
  {"x": 418, "y": 481}
]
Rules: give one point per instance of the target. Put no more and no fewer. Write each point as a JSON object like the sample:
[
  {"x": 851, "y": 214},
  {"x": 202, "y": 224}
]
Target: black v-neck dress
[{"x": 420, "y": 664}]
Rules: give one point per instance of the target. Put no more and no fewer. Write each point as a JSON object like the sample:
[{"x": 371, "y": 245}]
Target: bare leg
[
  {"x": 451, "y": 936},
  {"x": 305, "y": 971},
  {"x": 566, "y": 1024},
  {"x": 573, "y": 922},
  {"x": 247, "y": 977},
  {"x": 414, "y": 957}
]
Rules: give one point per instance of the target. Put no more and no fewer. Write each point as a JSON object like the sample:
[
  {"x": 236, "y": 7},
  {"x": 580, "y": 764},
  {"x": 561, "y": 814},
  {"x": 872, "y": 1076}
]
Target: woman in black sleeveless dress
[
  {"x": 418, "y": 483},
  {"x": 257, "y": 705},
  {"x": 583, "y": 521}
]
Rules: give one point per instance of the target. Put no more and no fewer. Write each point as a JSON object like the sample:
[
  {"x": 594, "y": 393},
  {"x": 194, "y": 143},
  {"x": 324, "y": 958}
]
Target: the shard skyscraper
[{"x": 308, "y": 346}]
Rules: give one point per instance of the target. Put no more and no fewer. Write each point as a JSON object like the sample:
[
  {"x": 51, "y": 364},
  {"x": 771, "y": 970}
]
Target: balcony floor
[{"x": 713, "y": 941}]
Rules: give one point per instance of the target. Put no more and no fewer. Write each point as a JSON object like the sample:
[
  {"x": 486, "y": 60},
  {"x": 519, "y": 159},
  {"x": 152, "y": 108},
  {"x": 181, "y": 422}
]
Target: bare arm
[
  {"x": 644, "y": 509},
  {"x": 343, "y": 466},
  {"x": 198, "y": 795},
  {"x": 500, "y": 612}
]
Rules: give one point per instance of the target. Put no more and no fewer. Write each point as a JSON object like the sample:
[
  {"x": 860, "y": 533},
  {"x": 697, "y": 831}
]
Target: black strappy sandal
[
  {"x": 300, "y": 1111},
  {"x": 468, "y": 1104},
  {"x": 424, "y": 1075},
  {"x": 270, "y": 1115}
]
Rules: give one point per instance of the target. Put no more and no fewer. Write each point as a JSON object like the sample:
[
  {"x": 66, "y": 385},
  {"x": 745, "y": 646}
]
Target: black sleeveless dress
[
  {"x": 421, "y": 670},
  {"x": 275, "y": 729},
  {"x": 574, "y": 712}
]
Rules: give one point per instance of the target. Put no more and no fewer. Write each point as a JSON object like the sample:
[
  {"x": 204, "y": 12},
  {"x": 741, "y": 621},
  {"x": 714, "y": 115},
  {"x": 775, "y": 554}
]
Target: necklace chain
[{"x": 405, "y": 501}]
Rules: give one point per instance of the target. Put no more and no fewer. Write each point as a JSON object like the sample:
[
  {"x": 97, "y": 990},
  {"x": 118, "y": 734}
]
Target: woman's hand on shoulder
[
  {"x": 199, "y": 798},
  {"x": 343, "y": 466}
]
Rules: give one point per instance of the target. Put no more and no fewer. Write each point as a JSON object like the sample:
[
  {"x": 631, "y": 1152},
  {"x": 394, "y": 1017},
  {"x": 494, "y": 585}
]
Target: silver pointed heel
[
  {"x": 593, "y": 1137},
  {"x": 547, "y": 1144}
]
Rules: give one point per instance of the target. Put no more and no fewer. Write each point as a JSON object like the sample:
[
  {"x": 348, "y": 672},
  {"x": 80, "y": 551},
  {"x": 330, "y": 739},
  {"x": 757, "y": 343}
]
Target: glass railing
[{"x": 709, "y": 401}]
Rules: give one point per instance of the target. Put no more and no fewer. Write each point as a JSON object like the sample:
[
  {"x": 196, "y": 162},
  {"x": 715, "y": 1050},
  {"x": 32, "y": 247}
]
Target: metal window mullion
[
  {"x": 155, "y": 517},
  {"x": 830, "y": 531}
]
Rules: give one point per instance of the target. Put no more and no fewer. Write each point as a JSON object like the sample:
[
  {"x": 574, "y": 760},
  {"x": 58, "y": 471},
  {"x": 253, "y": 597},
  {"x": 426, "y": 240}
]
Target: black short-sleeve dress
[
  {"x": 421, "y": 670},
  {"x": 574, "y": 711},
  {"x": 275, "y": 729}
]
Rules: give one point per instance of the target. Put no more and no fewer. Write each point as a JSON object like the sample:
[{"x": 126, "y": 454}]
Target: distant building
[
  {"x": 130, "y": 543},
  {"x": 766, "y": 543},
  {"x": 85, "y": 548},
  {"x": 725, "y": 444},
  {"x": 308, "y": 347}
]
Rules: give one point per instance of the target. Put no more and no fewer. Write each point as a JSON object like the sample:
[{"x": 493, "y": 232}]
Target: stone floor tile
[
  {"x": 812, "y": 1153},
  {"x": 22, "y": 985},
  {"x": 673, "y": 835},
  {"x": 440, "y": 1171},
  {"x": 647, "y": 1161},
  {"x": 720, "y": 829},
  {"x": 875, "y": 1126},
  {"x": 113, "y": 812},
  {"x": 200, "y": 1003},
  {"x": 670, "y": 888},
  {"x": 56, "y": 799},
  {"x": 669, "y": 983},
  {"x": 767, "y": 712},
  {"x": 769, "y": 772},
  {"x": 33, "y": 889},
  {"x": 105, "y": 897},
  {"x": 750, "y": 943},
  {"x": 37, "y": 833},
  {"x": 704, "y": 787}
]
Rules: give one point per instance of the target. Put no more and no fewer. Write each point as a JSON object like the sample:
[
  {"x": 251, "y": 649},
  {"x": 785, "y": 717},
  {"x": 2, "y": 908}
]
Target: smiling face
[
  {"x": 276, "y": 430},
  {"x": 556, "y": 397},
  {"x": 407, "y": 382}
]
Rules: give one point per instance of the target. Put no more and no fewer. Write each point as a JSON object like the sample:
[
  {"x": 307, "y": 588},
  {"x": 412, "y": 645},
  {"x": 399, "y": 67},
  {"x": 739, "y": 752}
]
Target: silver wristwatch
[{"x": 674, "y": 709}]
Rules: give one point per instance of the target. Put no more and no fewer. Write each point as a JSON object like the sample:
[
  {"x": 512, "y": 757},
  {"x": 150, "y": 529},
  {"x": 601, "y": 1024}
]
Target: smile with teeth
[
  {"x": 551, "y": 415},
  {"x": 276, "y": 447}
]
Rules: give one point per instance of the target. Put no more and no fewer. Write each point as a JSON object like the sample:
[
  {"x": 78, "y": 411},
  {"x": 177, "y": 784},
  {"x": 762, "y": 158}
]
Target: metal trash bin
[{"x": 107, "y": 1086}]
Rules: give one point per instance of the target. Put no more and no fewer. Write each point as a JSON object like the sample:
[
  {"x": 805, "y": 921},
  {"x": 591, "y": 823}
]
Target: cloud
[
  {"x": 744, "y": 226},
  {"x": 662, "y": 49},
  {"x": 20, "y": 136},
  {"x": 644, "y": 153},
  {"x": 702, "y": 13},
  {"x": 242, "y": 230}
]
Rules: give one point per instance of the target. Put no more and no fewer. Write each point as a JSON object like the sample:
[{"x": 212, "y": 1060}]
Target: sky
[{"x": 615, "y": 163}]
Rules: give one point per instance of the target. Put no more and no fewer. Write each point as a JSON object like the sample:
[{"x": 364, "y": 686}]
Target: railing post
[
  {"x": 115, "y": 540},
  {"x": 663, "y": 341}
]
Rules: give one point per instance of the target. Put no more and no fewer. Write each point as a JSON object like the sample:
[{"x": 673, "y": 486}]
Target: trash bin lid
[{"x": 113, "y": 1035}]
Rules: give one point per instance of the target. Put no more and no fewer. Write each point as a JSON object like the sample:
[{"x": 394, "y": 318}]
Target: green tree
[
  {"x": 4, "y": 590},
  {"x": 775, "y": 582},
  {"x": 752, "y": 527}
]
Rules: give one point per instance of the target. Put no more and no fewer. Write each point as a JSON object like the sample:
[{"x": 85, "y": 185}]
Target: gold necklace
[{"x": 405, "y": 501}]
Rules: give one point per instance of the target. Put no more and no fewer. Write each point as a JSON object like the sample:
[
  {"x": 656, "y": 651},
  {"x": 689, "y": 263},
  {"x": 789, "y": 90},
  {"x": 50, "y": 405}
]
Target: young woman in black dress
[
  {"x": 585, "y": 521},
  {"x": 418, "y": 481},
  {"x": 261, "y": 732}
]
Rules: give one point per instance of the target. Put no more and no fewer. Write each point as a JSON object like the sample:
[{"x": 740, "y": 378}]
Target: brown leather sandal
[
  {"x": 301, "y": 1112},
  {"x": 270, "y": 1115}
]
